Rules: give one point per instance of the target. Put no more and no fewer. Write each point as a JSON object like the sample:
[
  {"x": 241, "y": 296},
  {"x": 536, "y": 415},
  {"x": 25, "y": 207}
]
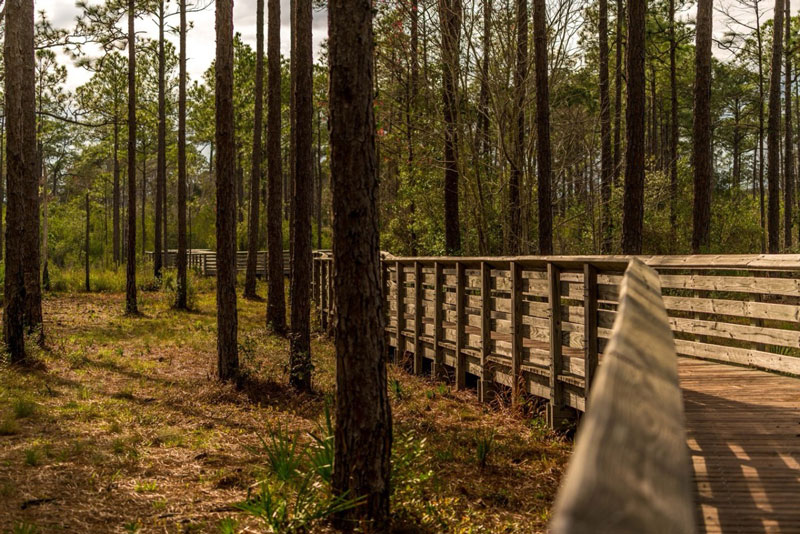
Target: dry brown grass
[{"x": 122, "y": 425}]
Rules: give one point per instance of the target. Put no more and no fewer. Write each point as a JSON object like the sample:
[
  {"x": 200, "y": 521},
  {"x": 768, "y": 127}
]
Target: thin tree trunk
[
  {"x": 87, "y": 286},
  {"x": 773, "y": 134},
  {"x": 2, "y": 181},
  {"x": 227, "y": 347},
  {"x": 144, "y": 198},
  {"x": 702, "y": 153},
  {"x": 450, "y": 13},
  {"x": 363, "y": 415},
  {"x": 788, "y": 189},
  {"x": 543, "y": 157},
  {"x": 131, "y": 306},
  {"x": 618, "y": 94},
  {"x": 116, "y": 193},
  {"x": 319, "y": 178},
  {"x": 633, "y": 201},
  {"x": 181, "y": 301},
  {"x": 161, "y": 160},
  {"x": 518, "y": 164},
  {"x": 300, "y": 339},
  {"x": 20, "y": 107},
  {"x": 761, "y": 158},
  {"x": 255, "y": 172},
  {"x": 606, "y": 156},
  {"x": 673, "y": 133},
  {"x": 276, "y": 303}
]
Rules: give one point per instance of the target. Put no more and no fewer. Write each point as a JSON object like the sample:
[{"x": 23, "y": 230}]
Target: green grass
[{"x": 24, "y": 408}]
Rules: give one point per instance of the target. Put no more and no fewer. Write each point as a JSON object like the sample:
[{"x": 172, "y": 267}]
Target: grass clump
[{"x": 24, "y": 408}]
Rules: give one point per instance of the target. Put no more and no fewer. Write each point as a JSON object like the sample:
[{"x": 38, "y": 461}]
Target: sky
[{"x": 201, "y": 38}]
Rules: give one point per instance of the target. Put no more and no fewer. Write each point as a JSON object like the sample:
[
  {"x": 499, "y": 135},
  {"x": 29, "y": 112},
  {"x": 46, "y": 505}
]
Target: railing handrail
[
  {"x": 630, "y": 469},
  {"x": 756, "y": 262}
]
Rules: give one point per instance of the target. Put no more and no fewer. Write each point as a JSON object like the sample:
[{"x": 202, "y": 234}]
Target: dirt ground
[{"x": 121, "y": 426}]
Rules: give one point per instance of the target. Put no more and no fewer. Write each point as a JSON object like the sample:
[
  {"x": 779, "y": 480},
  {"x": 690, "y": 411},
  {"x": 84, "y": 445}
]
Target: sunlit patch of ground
[{"x": 121, "y": 427}]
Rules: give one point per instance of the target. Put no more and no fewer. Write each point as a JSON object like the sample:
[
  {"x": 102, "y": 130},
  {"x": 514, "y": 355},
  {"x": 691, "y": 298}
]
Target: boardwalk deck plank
[{"x": 743, "y": 432}]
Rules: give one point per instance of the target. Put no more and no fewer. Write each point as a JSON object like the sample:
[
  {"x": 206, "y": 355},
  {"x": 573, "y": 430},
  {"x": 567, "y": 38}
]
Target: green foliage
[
  {"x": 25, "y": 528},
  {"x": 484, "y": 444},
  {"x": 282, "y": 455},
  {"x": 297, "y": 494},
  {"x": 24, "y": 408},
  {"x": 321, "y": 452}
]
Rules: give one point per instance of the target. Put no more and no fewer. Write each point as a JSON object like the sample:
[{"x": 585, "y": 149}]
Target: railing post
[
  {"x": 315, "y": 281},
  {"x": 417, "y": 318},
  {"x": 461, "y": 363},
  {"x": 205, "y": 257},
  {"x": 516, "y": 331},
  {"x": 556, "y": 410},
  {"x": 589, "y": 327},
  {"x": 485, "y": 386},
  {"x": 437, "y": 369},
  {"x": 400, "y": 312}
]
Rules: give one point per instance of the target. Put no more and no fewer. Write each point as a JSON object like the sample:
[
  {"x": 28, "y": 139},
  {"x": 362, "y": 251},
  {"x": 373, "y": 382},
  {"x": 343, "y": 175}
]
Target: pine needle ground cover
[{"x": 121, "y": 426}]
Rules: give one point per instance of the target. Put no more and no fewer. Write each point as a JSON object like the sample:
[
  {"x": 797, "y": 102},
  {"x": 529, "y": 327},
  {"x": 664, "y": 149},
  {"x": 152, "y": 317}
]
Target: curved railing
[{"x": 630, "y": 471}]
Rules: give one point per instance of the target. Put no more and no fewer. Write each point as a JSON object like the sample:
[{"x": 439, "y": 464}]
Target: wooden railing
[
  {"x": 204, "y": 261},
  {"x": 492, "y": 320},
  {"x": 630, "y": 471}
]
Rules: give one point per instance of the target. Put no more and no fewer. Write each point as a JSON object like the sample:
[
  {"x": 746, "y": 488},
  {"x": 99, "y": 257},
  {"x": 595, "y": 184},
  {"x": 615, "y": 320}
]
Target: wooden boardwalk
[
  {"x": 539, "y": 324},
  {"x": 743, "y": 431}
]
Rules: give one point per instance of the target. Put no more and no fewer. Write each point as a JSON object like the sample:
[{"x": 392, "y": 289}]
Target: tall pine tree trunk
[
  {"x": 518, "y": 165},
  {"x": 276, "y": 301},
  {"x": 633, "y": 200},
  {"x": 255, "y": 172},
  {"x": 363, "y": 416},
  {"x": 618, "y": 94},
  {"x": 161, "y": 159},
  {"x": 181, "y": 301},
  {"x": 300, "y": 338},
  {"x": 131, "y": 306},
  {"x": 543, "y": 157},
  {"x": 673, "y": 132},
  {"x": 774, "y": 133},
  {"x": 702, "y": 162},
  {"x": 788, "y": 190},
  {"x": 450, "y": 13},
  {"x": 606, "y": 156},
  {"x": 20, "y": 108},
  {"x": 227, "y": 319}
]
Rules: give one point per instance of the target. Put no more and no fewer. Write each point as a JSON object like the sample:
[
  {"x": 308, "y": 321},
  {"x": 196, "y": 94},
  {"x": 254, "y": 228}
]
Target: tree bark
[
  {"x": 276, "y": 300},
  {"x": 20, "y": 108},
  {"x": 227, "y": 347},
  {"x": 543, "y": 156},
  {"x": 255, "y": 172},
  {"x": 702, "y": 162},
  {"x": 606, "y": 156},
  {"x": 773, "y": 134},
  {"x": 450, "y": 13},
  {"x": 788, "y": 190},
  {"x": 633, "y": 200},
  {"x": 518, "y": 165},
  {"x": 673, "y": 133},
  {"x": 86, "y": 284},
  {"x": 363, "y": 416},
  {"x": 116, "y": 193},
  {"x": 161, "y": 158},
  {"x": 618, "y": 94},
  {"x": 131, "y": 306},
  {"x": 181, "y": 300},
  {"x": 300, "y": 339}
]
